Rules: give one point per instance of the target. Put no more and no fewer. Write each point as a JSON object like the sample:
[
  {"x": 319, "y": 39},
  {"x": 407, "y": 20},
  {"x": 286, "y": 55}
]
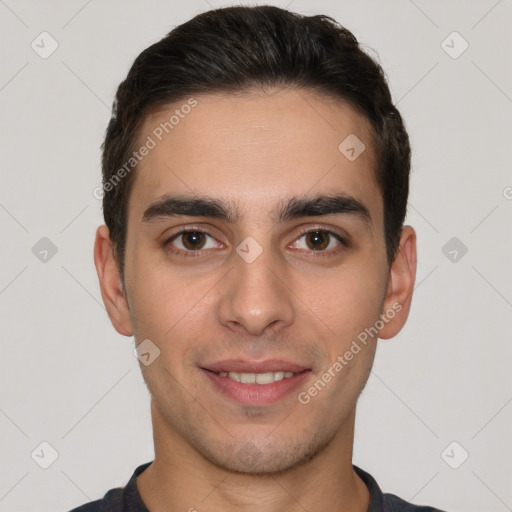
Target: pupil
[
  {"x": 193, "y": 238},
  {"x": 317, "y": 236}
]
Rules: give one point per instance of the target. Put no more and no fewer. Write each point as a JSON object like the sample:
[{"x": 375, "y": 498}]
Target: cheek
[
  {"x": 166, "y": 304},
  {"x": 347, "y": 301},
  {"x": 350, "y": 304},
  {"x": 158, "y": 304},
  {"x": 156, "y": 301}
]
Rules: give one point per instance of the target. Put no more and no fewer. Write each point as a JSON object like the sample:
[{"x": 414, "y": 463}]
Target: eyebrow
[{"x": 292, "y": 208}]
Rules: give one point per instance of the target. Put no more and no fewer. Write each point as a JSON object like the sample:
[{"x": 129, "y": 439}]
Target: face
[{"x": 271, "y": 278}]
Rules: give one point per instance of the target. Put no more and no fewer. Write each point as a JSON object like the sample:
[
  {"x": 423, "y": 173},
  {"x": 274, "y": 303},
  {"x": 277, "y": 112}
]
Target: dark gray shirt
[{"x": 127, "y": 499}]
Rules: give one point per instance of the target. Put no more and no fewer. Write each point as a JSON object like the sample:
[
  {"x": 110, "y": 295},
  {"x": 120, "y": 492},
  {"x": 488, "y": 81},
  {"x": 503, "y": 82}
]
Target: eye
[
  {"x": 194, "y": 242},
  {"x": 189, "y": 242},
  {"x": 321, "y": 240}
]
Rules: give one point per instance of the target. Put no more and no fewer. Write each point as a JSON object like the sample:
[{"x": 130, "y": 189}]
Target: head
[{"x": 235, "y": 128}]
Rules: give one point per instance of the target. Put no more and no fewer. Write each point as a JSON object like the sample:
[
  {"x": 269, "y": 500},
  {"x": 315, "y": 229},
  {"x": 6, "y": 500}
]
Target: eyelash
[{"x": 199, "y": 252}]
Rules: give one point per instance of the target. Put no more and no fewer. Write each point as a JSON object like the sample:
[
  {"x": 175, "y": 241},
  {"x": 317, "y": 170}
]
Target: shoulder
[
  {"x": 111, "y": 502},
  {"x": 381, "y": 502},
  {"x": 393, "y": 503},
  {"x": 119, "y": 499}
]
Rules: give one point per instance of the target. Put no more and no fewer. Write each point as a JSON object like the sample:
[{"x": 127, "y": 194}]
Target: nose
[{"x": 255, "y": 295}]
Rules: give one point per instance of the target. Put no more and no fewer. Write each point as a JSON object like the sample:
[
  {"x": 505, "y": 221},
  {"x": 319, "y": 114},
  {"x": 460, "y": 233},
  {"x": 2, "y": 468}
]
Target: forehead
[{"x": 255, "y": 149}]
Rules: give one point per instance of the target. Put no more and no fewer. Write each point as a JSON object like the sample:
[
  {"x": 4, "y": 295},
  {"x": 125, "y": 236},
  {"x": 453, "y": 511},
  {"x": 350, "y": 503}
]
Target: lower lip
[{"x": 257, "y": 394}]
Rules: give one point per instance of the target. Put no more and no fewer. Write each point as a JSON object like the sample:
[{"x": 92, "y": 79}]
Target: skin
[{"x": 290, "y": 303}]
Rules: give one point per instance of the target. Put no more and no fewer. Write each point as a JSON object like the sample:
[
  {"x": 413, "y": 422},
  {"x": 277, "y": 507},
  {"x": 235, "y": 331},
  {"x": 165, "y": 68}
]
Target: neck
[{"x": 181, "y": 479}]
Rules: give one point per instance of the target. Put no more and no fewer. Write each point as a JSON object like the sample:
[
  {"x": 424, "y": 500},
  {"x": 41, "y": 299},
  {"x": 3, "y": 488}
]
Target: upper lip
[{"x": 246, "y": 366}]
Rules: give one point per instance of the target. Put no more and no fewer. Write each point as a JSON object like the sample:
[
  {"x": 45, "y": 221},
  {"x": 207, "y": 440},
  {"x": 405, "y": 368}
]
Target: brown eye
[
  {"x": 190, "y": 242},
  {"x": 317, "y": 240},
  {"x": 193, "y": 239}
]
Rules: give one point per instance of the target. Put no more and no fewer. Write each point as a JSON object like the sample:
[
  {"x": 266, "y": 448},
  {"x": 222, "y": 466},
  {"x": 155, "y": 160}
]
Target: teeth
[
  {"x": 264, "y": 378},
  {"x": 257, "y": 378},
  {"x": 247, "y": 378}
]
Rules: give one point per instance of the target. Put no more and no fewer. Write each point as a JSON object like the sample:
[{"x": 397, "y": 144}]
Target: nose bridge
[{"x": 253, "y": 295}]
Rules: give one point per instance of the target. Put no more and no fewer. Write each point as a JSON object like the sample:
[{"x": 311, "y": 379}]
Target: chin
[{"x": 267, "y": 458}]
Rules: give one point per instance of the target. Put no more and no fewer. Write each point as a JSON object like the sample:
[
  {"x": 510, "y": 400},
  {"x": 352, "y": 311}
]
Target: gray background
[{"x": 68, "y": 378}]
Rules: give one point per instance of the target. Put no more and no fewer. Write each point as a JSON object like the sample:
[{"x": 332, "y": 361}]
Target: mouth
[
  {"x": 255, "y": 383},
  {"x": 257, "y": 378}
]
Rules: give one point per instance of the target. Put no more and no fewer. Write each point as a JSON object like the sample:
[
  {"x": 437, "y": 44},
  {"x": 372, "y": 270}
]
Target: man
[{"x": 255, "y": 178}]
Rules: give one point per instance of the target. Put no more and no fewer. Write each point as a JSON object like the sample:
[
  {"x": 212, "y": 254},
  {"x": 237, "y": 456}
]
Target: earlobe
[
  {"x": 402, "y": 276},
  {"x": 110, "y": 283}
]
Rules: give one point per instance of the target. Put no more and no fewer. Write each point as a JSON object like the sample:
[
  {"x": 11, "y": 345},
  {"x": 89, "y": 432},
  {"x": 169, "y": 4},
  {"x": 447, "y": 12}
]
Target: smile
[
  {"x": 256, "y": 388},
  {"x": 257, "y": 378}
]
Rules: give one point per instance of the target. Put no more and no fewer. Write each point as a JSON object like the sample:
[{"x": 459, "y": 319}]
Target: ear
[
  {"x": 110, "y": 283},
  {"x": 402, "y": 276}
]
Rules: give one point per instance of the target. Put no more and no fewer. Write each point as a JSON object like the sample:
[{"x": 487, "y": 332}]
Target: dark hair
[{"x": 235, "y": 49}]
